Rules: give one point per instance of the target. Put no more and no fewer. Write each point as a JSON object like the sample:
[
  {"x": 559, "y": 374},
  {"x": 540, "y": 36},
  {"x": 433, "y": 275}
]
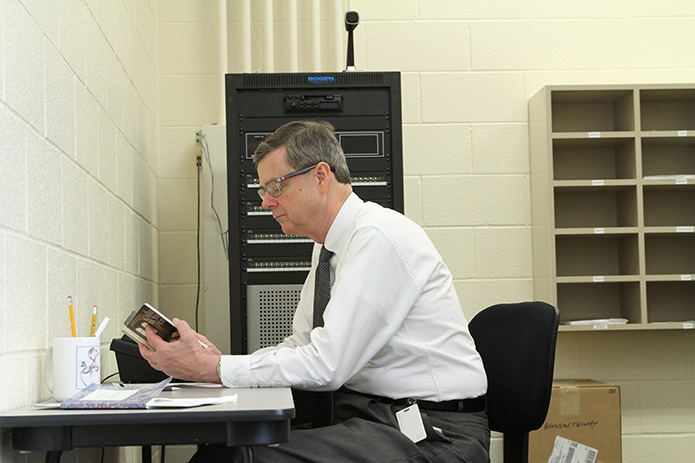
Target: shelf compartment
[
  {"x": 669, "y": 205},
  {"x": 594, "y": 158},
  {"x": 666, "y": 156},
  {"x": 670, "y": 254},
  {"x": 596, "y": 255},
  {"x": 593, "y": 110},
  {"x": 595, "y": 207},
  {"x": 671, "y": 301},
  {"x": 667, "y": 109},
  {"x": 587, "y": 301}
]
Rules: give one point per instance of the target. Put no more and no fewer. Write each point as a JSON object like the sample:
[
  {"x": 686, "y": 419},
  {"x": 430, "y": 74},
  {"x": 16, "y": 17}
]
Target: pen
[
  {"x": 72, "y": 317},
  {"x": 94, "y": 321},
  {"x": 102, "y": 325}
]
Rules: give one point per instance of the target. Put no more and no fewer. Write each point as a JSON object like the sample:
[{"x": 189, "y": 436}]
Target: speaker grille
[{"x": 270, "y": 313}]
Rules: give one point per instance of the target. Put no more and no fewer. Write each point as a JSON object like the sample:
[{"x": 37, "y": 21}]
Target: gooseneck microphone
[{"x": 352, "y": 19}]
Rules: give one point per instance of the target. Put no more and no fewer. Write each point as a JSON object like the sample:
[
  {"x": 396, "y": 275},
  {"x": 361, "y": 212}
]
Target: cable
[
  {"x": 109, "y": 376},
  {"x": 197, "y": 296},
  {"x": 223, "y": 234}
]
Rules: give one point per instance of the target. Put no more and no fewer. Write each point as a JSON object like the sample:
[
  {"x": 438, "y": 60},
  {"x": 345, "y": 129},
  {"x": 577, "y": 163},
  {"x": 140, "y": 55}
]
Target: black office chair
[{"x": 517, "y": 345}]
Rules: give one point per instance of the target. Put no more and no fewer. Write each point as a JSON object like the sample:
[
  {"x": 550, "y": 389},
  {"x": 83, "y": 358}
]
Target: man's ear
[{"x": 323, "y": 173}]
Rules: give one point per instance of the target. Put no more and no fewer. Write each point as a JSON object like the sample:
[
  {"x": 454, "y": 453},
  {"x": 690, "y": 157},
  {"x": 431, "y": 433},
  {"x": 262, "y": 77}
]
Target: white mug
[{"x": 72, "y": 364}]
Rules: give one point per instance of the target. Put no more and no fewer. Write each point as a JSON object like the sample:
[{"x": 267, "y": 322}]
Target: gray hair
[{"x": 307, "y": 143}]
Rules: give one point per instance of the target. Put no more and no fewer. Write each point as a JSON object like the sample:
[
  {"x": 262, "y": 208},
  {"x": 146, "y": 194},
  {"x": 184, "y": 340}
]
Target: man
[{"x": 392, "y": 333}]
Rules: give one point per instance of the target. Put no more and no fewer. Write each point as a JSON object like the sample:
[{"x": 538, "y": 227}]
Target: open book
[
  {"x": 134, "y": 325},
  {"x": 119, "y": 396}
]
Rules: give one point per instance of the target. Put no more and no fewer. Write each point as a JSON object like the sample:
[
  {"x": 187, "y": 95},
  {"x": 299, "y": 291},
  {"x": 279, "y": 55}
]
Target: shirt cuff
[{"x": 235, "y": 371}]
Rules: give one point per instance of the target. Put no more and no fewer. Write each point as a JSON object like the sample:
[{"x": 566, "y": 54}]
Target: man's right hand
[{"x": 184, "y": 358}]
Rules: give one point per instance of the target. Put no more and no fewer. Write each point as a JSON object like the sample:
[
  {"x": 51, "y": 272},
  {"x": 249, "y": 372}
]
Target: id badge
[{"x": 410, "y": 423}]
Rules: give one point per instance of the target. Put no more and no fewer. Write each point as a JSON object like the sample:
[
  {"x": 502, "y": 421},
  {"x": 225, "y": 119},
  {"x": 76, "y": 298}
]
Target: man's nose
[{"x": 268, "y": 201}]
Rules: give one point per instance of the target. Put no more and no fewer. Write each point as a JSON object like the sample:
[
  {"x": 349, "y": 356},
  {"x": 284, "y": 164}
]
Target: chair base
[{"x": 515, "y": 447}]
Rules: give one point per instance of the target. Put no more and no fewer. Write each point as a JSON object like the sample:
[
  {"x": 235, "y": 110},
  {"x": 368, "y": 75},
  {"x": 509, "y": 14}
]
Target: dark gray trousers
[{"x": 367, "y": 432}]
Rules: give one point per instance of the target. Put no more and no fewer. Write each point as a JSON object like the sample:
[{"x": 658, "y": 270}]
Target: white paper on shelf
[
  {"x": 597, "y": 321},
  {"x": 668, "y": 177}
]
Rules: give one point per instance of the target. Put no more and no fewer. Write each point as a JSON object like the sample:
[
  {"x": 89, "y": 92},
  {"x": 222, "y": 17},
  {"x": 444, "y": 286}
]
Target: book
[
  {"x": 115, "y": 396},
  {"x": 121, "y": 396},
  {"x": 134, "y": 325}
]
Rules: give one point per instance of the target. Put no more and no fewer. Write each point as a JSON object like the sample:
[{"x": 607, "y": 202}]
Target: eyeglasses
[{"x": 275, "y": 189}]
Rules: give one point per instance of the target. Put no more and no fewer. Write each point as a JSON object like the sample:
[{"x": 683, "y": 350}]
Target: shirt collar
[{"x": 336, "y": 238}]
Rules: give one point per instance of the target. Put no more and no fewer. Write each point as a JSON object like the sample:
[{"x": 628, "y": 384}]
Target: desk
[{"x": 258, "y": 417}]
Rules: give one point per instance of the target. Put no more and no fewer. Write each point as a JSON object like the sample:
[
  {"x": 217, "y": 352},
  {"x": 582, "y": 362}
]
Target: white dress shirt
[{"x": 393, "y": 327}]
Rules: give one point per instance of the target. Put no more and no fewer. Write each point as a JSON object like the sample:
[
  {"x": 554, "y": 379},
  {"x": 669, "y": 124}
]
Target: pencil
[
  {"x": 72, "y": 317},
  {"x": 94, "y": 321}
]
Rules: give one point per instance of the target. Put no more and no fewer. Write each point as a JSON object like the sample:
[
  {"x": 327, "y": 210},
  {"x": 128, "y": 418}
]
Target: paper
[
  {"x": 597, "y": 321},
  {"x": 46, "y": 405},
  {"x": 160, "y": 402},
  {"x": 567, "y": 451},
  {"x": 206, "y": 385},
  {"x": 668, "y": 177},
  {"x": 109, "y": 394}
]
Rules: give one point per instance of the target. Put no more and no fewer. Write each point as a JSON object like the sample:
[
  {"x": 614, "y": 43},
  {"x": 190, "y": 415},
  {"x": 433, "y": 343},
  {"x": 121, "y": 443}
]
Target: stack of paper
[{"x": 597, "y": 321}]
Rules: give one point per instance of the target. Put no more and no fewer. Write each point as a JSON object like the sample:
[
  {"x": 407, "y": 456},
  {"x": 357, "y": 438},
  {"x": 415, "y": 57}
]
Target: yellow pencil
[
  {"x": 94, "y": 321},
  {"x": 72, "y": 317}
]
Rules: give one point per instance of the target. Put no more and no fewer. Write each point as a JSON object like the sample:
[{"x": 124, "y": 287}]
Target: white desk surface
[{"x": 258, "y": 403}]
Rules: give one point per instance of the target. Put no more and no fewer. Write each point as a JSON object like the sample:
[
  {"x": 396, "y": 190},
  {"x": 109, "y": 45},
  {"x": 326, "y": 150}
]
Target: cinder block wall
[
  {"x": 78, "y": 182},
  {"x": 190, "y": 95}
]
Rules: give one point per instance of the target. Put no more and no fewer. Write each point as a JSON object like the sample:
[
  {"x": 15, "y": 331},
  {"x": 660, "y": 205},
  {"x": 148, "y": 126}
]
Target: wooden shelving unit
[{"x": 613, "y": 204}]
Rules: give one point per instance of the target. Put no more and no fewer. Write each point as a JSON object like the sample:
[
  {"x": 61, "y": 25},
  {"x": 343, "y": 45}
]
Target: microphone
[{"x": 352, "y": 19}]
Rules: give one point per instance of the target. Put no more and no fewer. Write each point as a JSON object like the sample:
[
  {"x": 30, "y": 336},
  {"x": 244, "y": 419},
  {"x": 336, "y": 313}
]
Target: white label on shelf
[
  {"x": 599, "y": 231},
  {"x": 684, "y": 229},
  {"x": 686, "y": 277},
  {"x": 688, "y": 326},
  {"x": 594, "y": 134},
  {"x": 600, "y": 327},
  {"x": 597, "y": 182},
  {"x": 681, "y": 181},
  {"x": 682, "y": 133},
  {"x": 599, "y": 279}
]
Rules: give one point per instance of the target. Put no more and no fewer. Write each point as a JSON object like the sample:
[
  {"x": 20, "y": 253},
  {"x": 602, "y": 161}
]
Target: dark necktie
[
  {"x": 322, "y": 285},
  {"x": 323, "y": 401}
]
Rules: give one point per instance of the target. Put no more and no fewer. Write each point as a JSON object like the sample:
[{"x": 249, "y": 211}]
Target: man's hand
[{"x": 185, "y": 358}]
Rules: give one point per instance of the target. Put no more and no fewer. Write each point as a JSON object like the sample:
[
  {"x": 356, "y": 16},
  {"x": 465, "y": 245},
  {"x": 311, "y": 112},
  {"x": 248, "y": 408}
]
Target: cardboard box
[{"x": 583, "y": 411}]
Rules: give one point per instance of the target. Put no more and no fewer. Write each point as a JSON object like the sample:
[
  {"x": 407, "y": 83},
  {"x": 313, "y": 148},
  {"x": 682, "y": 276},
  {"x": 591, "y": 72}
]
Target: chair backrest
[{"x": 517, "y": 345}]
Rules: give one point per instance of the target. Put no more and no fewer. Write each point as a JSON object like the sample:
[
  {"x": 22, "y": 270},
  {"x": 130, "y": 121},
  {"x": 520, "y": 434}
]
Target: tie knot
[{"x": 325, "y": 254}]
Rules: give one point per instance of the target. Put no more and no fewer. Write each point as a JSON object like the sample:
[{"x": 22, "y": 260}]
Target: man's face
[{"x": 292, "y": 209}]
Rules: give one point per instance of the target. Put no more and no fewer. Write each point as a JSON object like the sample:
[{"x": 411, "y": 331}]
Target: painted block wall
[{"x": 78, "y": 183}]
